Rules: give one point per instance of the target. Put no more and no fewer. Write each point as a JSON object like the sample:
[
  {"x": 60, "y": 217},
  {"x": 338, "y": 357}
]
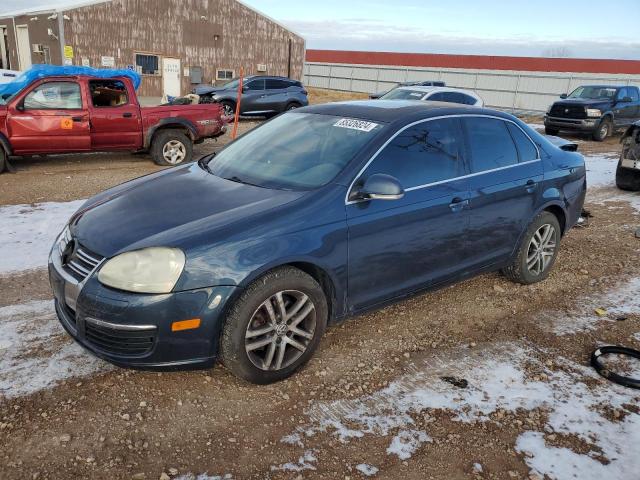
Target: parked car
[
  {"x": 317, "y": 215},
  {"x": 69, "y": 114},
  {"x": 7, "y": 76},
  {"x": 435, "y": 94},
  {"x": 594, "y": 109},
  {"x": 261, "y": 95},
  {"x": 424, "y": 83},
  {"x": 628, "y": 171}
]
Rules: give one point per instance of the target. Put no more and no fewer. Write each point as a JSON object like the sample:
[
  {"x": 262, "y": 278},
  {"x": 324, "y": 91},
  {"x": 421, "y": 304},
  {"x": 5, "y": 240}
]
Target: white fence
[{"x": 508, "y": 90}]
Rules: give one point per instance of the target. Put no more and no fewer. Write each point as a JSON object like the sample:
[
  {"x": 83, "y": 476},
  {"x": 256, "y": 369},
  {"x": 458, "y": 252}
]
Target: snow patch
[
  {"x": 204, "y": 476},
  {"x": 36, "y": 353},
  {"x": 367, "y": 470},
  {"x": 601, "y": 169},
  {"x": 28, "y": 232},
  {"x": 304, "y": 463},
  {"x": 405, "y": 443}
]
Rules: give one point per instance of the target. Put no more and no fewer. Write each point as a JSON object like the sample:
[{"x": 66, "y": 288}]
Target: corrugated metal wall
[{"x": 504, "y": 89}]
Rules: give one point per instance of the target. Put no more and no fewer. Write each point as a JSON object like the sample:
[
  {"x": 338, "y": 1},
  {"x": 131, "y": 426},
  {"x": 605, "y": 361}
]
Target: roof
[
  {"x": 389, "y": 111},
  {"x": 61, "y": 5}
]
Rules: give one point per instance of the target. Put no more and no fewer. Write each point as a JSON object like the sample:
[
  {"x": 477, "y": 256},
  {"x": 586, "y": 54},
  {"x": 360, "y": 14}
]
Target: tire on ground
[
  {"x": 232, "y": 341},
  {"x": 228, "y": 108},
  {"x": 3, "y": 160},
  {"x": 518, "y": 271},
  {"x": 604, "y": 130},
  {"x": 162, "y": 138},
  {"x": 627, "y": 178},
  {"x": 551, "y": 131}
]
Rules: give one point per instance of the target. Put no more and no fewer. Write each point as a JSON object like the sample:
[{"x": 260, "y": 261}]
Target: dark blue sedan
[{"x": 321, "y": 213}]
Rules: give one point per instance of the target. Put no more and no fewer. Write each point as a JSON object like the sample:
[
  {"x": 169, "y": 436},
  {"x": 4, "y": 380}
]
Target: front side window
[
  {"x": 622, "y": 93},
  {"x": 253, "y": 85},
  {"x": 108, "y": 93},
  {"x": 295, "y": 151},
  {"x": 402, "y": 94},
  {"x": 490, "y": 143},
  {"x": 633, "y": 93},
  {"x": 426, "y": 153},
  {"x": 54, "y": 96}
]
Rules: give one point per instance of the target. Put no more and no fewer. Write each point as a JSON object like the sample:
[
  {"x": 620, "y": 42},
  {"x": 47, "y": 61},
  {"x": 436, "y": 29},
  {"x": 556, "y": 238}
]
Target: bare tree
[{"x": 557, "y": 52}]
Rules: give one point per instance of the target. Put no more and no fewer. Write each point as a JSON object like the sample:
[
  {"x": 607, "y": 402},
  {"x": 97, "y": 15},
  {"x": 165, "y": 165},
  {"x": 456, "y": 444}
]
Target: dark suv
[
  {"x": 594, "y": 109},
  {"x": 261, "y": 95}
]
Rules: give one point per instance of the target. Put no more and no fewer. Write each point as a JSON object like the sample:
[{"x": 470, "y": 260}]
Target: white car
[
  {"x": 435, "y": 94},
  {"x": 7, "y": 76}
]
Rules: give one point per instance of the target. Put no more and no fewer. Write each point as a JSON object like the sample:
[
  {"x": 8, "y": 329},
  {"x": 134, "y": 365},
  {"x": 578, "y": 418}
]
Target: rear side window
[
  {"x": 274, "y": 84},
  {"x": 108, "y": 93},
  {"x": 426, "y": 153},
  {"x": 54, "y": 95},
  {"x": 490, "y": 143},
  {"x": 466, "y": 99},
  {"x": 526, "y": 149}
]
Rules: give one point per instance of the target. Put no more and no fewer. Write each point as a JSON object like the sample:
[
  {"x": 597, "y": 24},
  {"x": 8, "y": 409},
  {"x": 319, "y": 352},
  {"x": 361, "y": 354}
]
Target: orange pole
[{"x": 237, "y": 117}]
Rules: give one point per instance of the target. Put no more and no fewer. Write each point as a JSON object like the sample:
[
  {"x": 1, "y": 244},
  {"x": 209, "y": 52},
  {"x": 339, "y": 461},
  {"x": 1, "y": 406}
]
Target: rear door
[
  {"x": 51, "y": 117},
  {"x": 506, "y": 172},
  {"x": 277, "y": 94},
  {"x": 115, "y": 116},
  {"x": 396, "y": 247}
]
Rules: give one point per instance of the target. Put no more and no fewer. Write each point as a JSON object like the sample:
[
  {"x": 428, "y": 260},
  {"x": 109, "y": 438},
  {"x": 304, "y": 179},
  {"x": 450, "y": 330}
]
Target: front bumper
[
  {"x": 134, "y": 330},
  {"x": 587, "y": 125}
]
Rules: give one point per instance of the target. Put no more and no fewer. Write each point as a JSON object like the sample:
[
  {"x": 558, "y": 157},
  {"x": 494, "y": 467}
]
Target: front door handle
[
  {"x": 78, "y": 119},
  {"x": 127, "y": 115},
  {"x": 458, "y": 204},
  {"x": 531, "y": 186}
]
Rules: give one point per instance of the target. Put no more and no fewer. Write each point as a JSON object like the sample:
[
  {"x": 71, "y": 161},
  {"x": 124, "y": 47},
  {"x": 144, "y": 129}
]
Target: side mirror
[
  {"x": 626, "y": 100},
  {"x": 379, "y": 187},
  {"x": 20, "y": 107},
  {"x": 564, "y": 96}
]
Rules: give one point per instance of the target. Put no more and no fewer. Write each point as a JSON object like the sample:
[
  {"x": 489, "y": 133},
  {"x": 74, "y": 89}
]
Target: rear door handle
[
  {"x": 127, "y": 115},
  {"x": 531, "y": 186},
  {"x": 458, "y": 204},
  {"x": 77, "y": 119}
]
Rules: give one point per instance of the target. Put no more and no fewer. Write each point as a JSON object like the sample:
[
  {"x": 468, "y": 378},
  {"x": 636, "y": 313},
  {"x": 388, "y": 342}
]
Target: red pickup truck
[{"x": 66, "y": 114}]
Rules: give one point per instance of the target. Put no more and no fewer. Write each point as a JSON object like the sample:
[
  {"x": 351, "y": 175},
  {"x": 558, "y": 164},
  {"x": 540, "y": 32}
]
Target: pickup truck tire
[
  {"x": 171, "y": 148},
  {"x": 551, "y": 131},
  {"x": 604, "y": 130},
  {"x": 3, "y": 160},
  {"x": 627, "y": 178}
]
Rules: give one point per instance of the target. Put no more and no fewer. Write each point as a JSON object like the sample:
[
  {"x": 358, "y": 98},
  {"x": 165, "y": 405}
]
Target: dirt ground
[{"x": 121, "y": 424}]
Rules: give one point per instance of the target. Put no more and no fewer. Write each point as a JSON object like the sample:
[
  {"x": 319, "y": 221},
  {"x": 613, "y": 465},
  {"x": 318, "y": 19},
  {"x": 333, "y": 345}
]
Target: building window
[
  {"x": 148, "y": 64},
  {"x": 225, "y": 74}
]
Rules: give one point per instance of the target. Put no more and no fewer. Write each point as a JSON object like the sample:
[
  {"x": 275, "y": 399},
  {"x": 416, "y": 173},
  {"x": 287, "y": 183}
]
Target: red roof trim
[{"x": 530, "y": 64}]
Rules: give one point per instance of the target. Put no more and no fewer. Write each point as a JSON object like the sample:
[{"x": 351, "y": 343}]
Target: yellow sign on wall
[{"x": 68, "y": 51}]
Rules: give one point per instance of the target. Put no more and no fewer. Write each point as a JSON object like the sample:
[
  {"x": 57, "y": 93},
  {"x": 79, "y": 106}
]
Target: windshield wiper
[
  {"x": 204, "y": 163},
  {"x": 240, "y": 180}
]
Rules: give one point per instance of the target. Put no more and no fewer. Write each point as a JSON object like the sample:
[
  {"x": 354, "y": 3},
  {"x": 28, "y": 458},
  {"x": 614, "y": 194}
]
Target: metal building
[{"x": 174, "y": 44}]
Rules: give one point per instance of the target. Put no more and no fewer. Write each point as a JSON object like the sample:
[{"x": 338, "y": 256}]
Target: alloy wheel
[
  {"x": 174, "y": 152},
  {"x": 280, "y": 330},
  {"x": 542, "y": 249},
  {"x": 228, "y": 110}
]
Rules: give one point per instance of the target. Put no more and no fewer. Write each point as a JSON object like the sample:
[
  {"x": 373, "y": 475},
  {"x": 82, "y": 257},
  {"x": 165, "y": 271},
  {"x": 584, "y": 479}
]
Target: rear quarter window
[
  {"x": 490, "y": 144},
  {"x": 526, "y": 149}
]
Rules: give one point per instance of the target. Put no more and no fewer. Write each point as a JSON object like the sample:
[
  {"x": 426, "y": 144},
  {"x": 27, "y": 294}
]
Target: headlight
[
  {"x": 593, "y": 113},
  {"x": 152, "y": 270}
]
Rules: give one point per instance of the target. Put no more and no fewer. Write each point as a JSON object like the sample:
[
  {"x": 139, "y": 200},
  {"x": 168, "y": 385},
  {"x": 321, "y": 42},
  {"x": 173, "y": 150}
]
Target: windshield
[
  {"x": 594, "y": 93},
  {"x": 403, "y": 94},
  {"x": 232, "y": 84},
  {"x": 295, "y": 151}
]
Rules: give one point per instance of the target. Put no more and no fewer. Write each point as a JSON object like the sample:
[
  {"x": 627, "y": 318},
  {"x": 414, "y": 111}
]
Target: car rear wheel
[
  {"x": 292, "y": 106},
  {"x": 274, "y": 327},
  {"x": 551, "y": 131},
  {"x": 537, "y": 252},
  {"x": 171, "y": 148},
  {"x": 603, "y": 131},
  {"x": 626, "y": 178},
  {"x": 228, "y": 109}
]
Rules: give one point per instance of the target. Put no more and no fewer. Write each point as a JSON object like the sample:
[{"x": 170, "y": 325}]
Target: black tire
[
  {"x": 604, "y": 130},
  {"x": 292, "y": 106},
  {"x": 246, "y": 309},
  {"x": 627, "y": 178},
  {"x": 519, "y": 271},
  {"x": 3, "y": 160},
  {"x": 551, "y": 131},
  {"x": 228, "y": 108},
  {"x": 164, "y": 138}
]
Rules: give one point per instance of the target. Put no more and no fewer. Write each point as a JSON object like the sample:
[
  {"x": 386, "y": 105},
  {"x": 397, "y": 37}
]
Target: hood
[
  {"x": 167, "y": 209},
  {"x": 207, "y": 89},
  {"x": 583, "y": 102}
]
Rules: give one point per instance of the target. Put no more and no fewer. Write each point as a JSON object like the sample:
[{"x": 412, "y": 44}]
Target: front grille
[
  {"x": 77, "y": 261},
  {"x": 119, "y": 342},
  {"x": 568, "y": 111}
]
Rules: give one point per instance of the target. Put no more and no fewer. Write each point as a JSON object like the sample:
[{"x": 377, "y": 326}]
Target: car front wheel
[
  {"x": 274, "y": 327},
  {"x": 537, "y": 251},
  {"x": 551, "y": 131},
  {"x": 604, "y": 130}
]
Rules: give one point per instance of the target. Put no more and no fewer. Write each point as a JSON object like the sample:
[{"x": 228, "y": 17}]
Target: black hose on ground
[{"x": 608, "y": 374}]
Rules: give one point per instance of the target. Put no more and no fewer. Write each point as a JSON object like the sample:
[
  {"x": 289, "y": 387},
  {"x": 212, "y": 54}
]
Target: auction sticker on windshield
[{"x": 361, "y": 125}]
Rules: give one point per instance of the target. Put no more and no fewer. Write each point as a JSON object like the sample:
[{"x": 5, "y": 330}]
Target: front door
[
  {"x": 399, "y": 246},
  {"x": 253, "y": 96},
  {"x": 115, "y": 116},
  {"x": 171, "y": 77},
  {"x": 50, "y": 117},
  {"x": 505, "y": 187}
]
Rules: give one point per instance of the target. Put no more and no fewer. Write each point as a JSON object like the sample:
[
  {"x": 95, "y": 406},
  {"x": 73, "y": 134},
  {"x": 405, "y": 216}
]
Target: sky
[{"x": 575, "y": 28}]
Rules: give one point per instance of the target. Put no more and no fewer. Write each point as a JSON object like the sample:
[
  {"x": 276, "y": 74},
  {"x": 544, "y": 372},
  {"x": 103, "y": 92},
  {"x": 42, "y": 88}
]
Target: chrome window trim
[{"x": 425, "y": 120}]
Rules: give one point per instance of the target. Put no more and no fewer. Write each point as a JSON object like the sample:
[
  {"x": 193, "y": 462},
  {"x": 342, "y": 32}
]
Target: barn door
[{"x": 171, "y": 76}]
